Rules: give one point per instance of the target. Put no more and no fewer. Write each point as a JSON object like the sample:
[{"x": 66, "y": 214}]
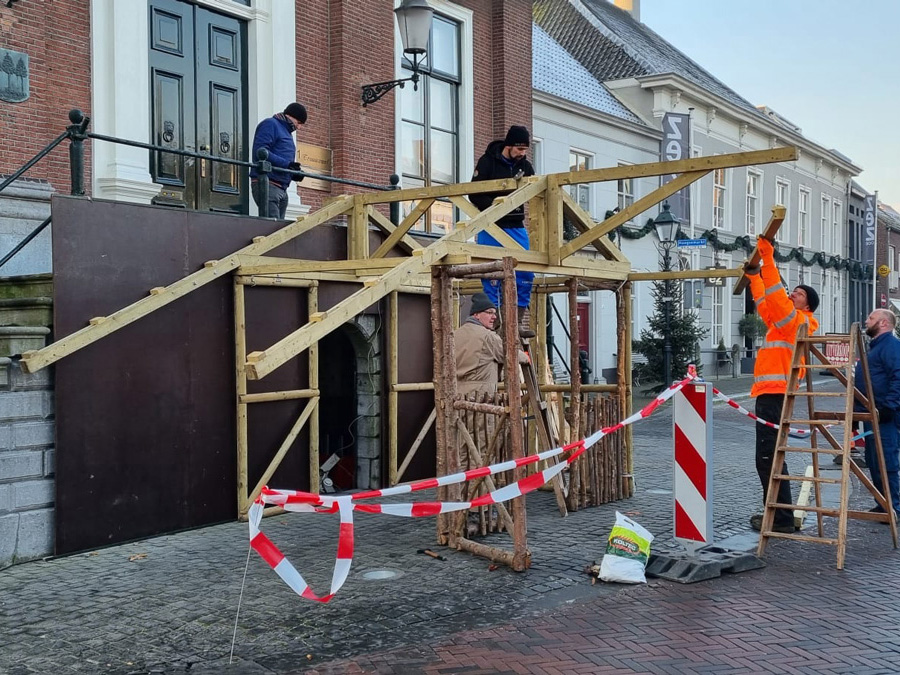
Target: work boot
[
  {"x": 524, "y": 329},
  {"x": 756, "y": 524}
]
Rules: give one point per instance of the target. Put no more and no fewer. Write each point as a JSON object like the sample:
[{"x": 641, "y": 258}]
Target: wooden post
[
  {"x": 625, "y": 394},
  {"x": 574, "y": 360},
  {"x": 393, "y": 395},
  {"x": 514, "y": 393},
  {"x": 240, "y": 357},
  {"x": 448, "y": 373},
  {"x": 554, "y": 220},
  {"x": 358, "y": 230},
  {"x": 312, "y": 306},
  {"x": 441, "y": 404}
]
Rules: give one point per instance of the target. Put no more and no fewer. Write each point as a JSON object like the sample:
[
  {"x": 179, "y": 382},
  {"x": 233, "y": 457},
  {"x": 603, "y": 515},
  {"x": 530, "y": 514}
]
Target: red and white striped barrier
[
  {"x": 295, "y": 500},
  {"x": 752, "y": 416},
  {"x": 693, "y": 489}
]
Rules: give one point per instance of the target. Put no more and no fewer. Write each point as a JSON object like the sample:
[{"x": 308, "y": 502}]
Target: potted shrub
[{"x": 752, "y": 329}]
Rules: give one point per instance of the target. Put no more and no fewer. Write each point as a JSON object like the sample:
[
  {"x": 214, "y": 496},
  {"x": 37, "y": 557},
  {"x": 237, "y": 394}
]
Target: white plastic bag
[{"x": 627, "y": 552}]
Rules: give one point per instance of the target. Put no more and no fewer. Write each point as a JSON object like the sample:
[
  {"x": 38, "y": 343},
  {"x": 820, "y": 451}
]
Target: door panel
[
  {"x": 220, "y": 110},
  {"x": 198, "y": 89}
]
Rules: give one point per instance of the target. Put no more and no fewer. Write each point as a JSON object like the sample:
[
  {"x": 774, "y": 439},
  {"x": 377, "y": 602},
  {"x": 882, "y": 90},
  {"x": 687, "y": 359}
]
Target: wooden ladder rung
[
  {"x": 818, "y": 423},
  {"x": 811, "y": 479},
  {"x": 819, "y": 366},
  {"x": 823, "y": 394},
  {"x": 824, "y": 451},
  {"x": 801, "y": 537},
  {"x": 813, "y": 339},
  {"x": 824, "y": 510}
]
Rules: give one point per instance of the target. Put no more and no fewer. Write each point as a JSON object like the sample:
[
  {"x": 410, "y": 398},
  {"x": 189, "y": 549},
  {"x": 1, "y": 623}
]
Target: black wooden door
[{"x": 198, "y": 102}]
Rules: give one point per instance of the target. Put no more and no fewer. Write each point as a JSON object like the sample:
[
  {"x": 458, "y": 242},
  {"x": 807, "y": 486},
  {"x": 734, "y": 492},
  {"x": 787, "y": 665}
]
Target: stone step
[
  {"x": 15, "y": 340},
  {"x": 27, "y": 286},
  {"x": 26, "y": 311}
]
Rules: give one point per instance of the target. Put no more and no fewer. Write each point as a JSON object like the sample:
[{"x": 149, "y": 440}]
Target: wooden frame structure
[{"x": 403, "y": 264}]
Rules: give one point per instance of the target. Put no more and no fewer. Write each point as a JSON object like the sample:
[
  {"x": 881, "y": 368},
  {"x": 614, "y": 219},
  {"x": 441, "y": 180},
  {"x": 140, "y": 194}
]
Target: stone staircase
[{"x": 26, "y": 313}]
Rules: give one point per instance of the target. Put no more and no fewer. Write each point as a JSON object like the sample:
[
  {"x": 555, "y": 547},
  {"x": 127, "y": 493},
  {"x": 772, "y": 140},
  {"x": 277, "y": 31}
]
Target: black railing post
[
  {"x": 76, "y": 133},
  {"x": 395, "y": 206},
  {"x": 263, "y": 169}
]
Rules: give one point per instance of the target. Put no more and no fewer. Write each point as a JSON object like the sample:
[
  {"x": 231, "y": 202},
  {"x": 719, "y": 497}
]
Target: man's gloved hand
[
  {"x": 295, "y": 166},
  {"x": 885, "y": 415}
]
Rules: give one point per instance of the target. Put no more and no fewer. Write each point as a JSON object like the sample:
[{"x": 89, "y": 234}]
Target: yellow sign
[
  {"x": 314, "y": 159},
  {"x": 884, "y": 270}
]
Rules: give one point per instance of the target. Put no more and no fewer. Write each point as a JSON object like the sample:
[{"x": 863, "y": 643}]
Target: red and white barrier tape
[
  {"x": 295, "y": 500},
  {"x": 752, "y": 416}
]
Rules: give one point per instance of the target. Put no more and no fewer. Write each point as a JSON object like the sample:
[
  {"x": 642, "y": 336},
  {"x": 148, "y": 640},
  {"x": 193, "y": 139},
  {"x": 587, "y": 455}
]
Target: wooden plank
[
  {"x": 583, "y": 221},
  {"x": 456, "y": 189},
  {"x": 287, "y": 395},
  {"x": 261, "y": 364},
  {"x": 554, "y": 220},
  {"x": 503, "y": 238},
  {"x": 34, "y": 360},
  {"x": 258, "y": 265},
  {"x": 358, "y": 230},
  {"x": 393, "y": 327},
  {"x": 399, "y": 233},
  {"x": 771, "y": 229},
  {"x": 311, "y": 405},
  {"x": 685, "y": 274},
  {"x": 312, "y": 307},
  {"x": 465, "y": 205},
  {"x": 637, "y": 208},
  {"x": 240, "y": 357}
]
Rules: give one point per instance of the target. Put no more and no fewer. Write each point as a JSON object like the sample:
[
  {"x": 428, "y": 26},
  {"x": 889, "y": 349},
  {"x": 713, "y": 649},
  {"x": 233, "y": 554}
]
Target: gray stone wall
[
  {"x": 27, "y": 467},
  {"x": 23, "y": 206}
]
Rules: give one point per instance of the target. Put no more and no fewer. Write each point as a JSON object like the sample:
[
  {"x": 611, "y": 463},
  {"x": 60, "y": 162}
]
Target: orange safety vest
[{"x": 776, "y": 309}]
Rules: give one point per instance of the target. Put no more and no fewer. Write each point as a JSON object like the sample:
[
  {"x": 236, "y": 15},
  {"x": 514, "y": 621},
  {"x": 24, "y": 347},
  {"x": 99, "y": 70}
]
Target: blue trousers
[
  {"x": 523, "y": 279},
  {"x": 889, "y": 444}
]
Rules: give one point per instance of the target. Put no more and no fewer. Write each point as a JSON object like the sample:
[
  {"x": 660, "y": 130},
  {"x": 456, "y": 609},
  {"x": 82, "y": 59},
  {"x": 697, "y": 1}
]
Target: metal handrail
[{"x": 77, "y": 132}]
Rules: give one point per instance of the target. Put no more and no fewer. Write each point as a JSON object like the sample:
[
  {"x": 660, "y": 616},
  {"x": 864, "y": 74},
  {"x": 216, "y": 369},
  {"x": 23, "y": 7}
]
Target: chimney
[{"x": 633, "y": 7}]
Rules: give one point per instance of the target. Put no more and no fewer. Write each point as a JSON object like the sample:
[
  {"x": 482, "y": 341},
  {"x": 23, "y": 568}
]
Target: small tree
[{"x": 685, "y": 333}]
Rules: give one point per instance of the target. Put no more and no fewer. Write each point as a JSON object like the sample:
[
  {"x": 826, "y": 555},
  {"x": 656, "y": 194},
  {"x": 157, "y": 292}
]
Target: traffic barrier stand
[{"x": 692, "y": 495}]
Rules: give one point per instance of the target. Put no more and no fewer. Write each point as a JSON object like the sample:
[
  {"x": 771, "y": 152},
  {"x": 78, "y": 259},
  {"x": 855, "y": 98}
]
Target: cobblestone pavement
[{"x": 168, "y": 604}]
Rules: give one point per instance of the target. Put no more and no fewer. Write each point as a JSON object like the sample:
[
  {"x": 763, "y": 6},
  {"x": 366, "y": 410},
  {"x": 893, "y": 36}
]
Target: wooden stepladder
[{"x": 809, "y": 356}]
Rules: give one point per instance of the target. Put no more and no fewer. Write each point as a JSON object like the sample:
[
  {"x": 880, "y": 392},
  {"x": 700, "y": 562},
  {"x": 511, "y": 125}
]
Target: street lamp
[
  {"x": 666, "y": 229},
  {"x": 414, "y": 22}
]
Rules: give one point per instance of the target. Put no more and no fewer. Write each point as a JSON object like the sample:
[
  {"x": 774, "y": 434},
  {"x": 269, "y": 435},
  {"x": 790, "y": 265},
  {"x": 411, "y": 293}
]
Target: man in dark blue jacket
[
  {"x": 884, "y": 372},
  {"x": 274, "y": 134},
  {"x": 506, "y": 159}
]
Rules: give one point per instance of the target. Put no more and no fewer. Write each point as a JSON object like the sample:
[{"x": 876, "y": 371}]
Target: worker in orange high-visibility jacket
[{"x": 783, "y": 315}]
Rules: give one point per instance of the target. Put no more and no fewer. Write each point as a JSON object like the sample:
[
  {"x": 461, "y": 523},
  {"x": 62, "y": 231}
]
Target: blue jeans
[
  {"x": 889, "y": 444},
  {"x": 523, "y": 279}
]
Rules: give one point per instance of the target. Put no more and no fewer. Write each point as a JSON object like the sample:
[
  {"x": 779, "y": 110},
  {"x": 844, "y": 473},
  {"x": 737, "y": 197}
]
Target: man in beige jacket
[{"x": 479, "y": 350}]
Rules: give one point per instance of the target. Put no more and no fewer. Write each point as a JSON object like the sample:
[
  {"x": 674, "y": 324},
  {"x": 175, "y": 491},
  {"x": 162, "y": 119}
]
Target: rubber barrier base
[{"x": 708, "y": 563}]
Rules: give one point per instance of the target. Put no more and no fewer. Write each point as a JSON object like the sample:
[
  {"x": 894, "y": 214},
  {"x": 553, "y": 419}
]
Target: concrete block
[
  {"x": 49, "y": 463},
  {"x": 33, "y": 434},
  {"x": 368, "y": 427},
  {"x": 33, "y": 493},
  {"x": 9, "y": 529},
  {"x": 20, "y": 339},
  {"x": 16, "y": 405},
  {"x": 6, "y": 498},
  {"x": 368, "y": 448},
  {"x": 49, "y": 404},
  {"x": 22, "y": 381},
  {"x": 35, "y": 535},
  {"x": 25, "y": 464},
  {"x": 5, "y": 437}
]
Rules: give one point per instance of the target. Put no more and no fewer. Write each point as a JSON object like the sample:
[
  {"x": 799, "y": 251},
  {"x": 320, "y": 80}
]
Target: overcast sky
[{"x": 831, "y": 67}]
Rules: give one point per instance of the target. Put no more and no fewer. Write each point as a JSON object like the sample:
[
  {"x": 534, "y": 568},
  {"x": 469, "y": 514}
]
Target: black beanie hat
[
  {"x": 812, "y": 297},
  {"x": 517, "y": 136},
  {"x": 481, "y": 303},
  {"x": 297, "y": 111}
]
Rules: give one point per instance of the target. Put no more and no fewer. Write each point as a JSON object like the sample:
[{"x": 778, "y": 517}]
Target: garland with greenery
[{"x": 746, "y": 242}]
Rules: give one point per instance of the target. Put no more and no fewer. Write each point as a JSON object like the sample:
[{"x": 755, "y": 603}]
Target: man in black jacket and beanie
[{"x": 506, "y": 159}]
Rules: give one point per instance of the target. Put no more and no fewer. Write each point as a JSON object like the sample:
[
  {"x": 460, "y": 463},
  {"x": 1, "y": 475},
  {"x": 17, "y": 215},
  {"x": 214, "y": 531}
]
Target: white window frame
[
  {"x": 825, "y": 222},
  {"x": 783, "y": 233},
  {"x": 584, "y": 188},
  {"x": 722, "y": 322},
  {"x": 723, "y": 204},
  {"x": 622, "y": 195},
  {"x": 752, "y": 212},
  {"x": 827, "y": 308},
  {"x": 837, "y": 226},
  {"x": 537, "y": 154},
  {"x": 696, "y": 195},
  {"x": 803, "y": 217},
  {"x": 466, "y": 91}
]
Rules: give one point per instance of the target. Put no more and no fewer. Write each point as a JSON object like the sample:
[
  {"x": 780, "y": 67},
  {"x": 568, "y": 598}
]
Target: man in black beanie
[
  {"x": 274, "y": 134},
  {"x": 506, "y": 159}
]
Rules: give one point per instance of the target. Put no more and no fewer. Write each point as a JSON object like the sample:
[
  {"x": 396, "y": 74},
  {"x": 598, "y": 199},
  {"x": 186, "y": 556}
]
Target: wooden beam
[
  {"x": 312, "y": 306},
  {"x": 240, "y": 357},
  {"x": 772, "y": 227},
  {"x": 554, "y": 219},
  {"x": 258, "y": 265},
  {"x": 393, "y": 327},
  {"x": 583, "y": 221},
  {"x": 33, "y": 361},
  {"x": 358, "y": 229},
  {"x": 641, "y": 205},
  {"x": 503, "y": 238},
  {"x": 465, "y": 206},
  {"x": 685, "y": 274},
  {"x": 704, "y": 164},
  {"x": 456, "y": 189},
  {"x": 260, "y": 364},
  {"x": 399, "y": 233}
]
